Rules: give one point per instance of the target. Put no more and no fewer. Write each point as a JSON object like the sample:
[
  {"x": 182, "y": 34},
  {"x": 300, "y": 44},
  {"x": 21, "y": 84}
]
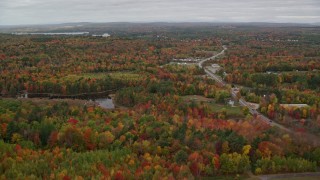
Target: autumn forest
[{"x": 191, "y": 101}]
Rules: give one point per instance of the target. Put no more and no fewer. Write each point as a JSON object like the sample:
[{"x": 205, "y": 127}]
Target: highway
[
  {"x": 213, "y": 57},
  {"x": 234, "y": 93},
  {"x": 307, "y": 137},
  {"x": 215, "y": 77},
  {"x": 259, "y": 115}
]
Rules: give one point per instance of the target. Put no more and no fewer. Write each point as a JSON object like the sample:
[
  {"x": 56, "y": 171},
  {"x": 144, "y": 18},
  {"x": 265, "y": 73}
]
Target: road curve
[{"x": 213, "y": 57}]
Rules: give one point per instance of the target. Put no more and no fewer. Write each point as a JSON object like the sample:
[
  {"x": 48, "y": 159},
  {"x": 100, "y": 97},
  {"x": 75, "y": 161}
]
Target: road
[
  {"x": 310, "y": 138},
  {"x": 212, "y": 57},
  {"x": 259, "y": 115},
  {"x": 234, "y": 93},
  {"x": 215, "y": 77}
]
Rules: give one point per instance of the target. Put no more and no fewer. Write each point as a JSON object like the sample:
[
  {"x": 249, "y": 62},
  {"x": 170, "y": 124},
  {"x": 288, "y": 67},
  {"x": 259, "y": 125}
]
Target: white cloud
[{"x": 58, "y": 11}]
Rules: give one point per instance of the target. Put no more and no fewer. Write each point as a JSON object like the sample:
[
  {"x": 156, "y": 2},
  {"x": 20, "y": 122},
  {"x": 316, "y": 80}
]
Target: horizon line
[{"x": 169, "y": 22}]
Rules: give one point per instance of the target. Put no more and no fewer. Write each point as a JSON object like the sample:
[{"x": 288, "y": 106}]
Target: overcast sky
[{"x": 60, "y": 11}]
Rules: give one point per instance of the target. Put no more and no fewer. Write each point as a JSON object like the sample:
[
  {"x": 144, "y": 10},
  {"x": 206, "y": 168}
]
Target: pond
[{"x": 105, "y": 103}]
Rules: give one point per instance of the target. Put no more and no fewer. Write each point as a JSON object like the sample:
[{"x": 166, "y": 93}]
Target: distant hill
[{"x": 123, "y": 26}]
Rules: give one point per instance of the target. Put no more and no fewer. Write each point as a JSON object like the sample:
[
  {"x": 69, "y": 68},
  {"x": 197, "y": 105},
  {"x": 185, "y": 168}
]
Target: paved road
[
  {"x": 215, "y": 77},
  {"x": 310, "y": 138},
  {"x": 259, "y": 115},
  {"x": 207, "y": 70},
  {"x": 213, "y": 57},
  {"x": 234, "y": 92}
]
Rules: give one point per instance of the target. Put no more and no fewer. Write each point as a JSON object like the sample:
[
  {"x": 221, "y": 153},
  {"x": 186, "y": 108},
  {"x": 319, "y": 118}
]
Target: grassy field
[
  {"x": 114, "y": 75},
  {"x": 232, "y": 112}
]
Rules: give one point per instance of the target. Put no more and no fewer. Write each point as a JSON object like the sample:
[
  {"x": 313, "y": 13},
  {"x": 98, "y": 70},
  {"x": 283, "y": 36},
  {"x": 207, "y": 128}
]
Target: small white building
[
  {"x": 231, "y": 103},
  {"x": 215, "y": 65}
]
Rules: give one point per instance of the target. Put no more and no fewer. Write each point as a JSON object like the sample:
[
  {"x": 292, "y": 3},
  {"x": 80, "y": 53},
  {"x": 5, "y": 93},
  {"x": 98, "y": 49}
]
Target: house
[{"x": 231, "y": 102}]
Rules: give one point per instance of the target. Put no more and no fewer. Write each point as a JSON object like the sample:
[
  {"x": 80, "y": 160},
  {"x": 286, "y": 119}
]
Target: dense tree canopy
[{"x": 170, "y": 120}]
